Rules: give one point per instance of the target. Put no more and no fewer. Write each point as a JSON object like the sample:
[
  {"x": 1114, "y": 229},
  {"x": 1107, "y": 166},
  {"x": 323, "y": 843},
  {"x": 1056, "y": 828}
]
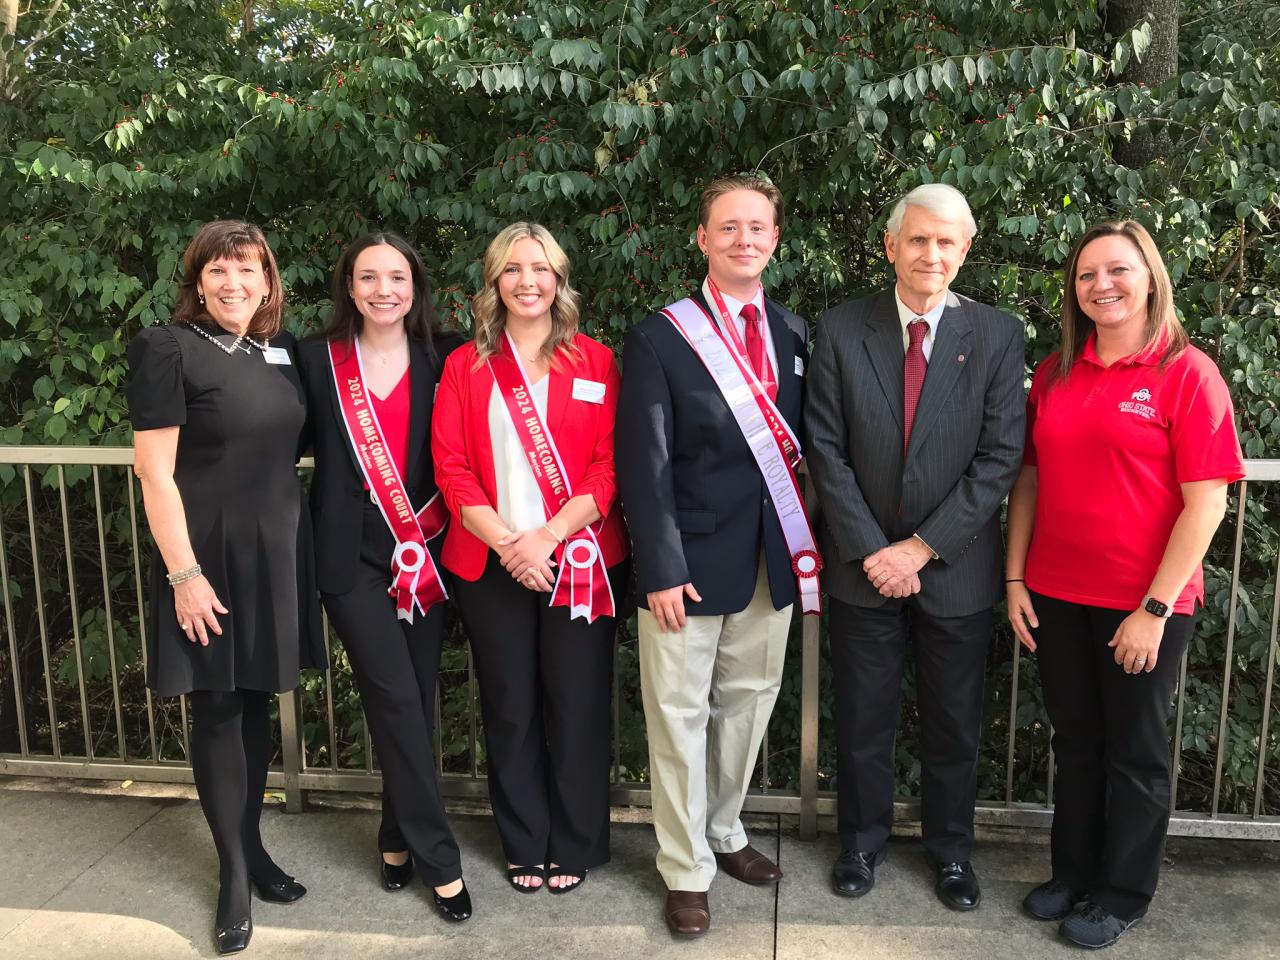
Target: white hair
[{"x": 940, "y": 199}]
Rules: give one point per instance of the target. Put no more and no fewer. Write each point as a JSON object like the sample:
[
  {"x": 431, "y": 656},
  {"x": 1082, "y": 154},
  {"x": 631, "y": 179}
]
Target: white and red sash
[
  {"x": 730, "y": 326},
  {"x": 415, "y": 581},
  {"x": 582, "y": 583},
  {"x": 771, "y": 440}
]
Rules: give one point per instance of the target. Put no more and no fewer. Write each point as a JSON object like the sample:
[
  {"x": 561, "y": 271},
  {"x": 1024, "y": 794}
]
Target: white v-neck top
[{"x": 519, "y": 500}]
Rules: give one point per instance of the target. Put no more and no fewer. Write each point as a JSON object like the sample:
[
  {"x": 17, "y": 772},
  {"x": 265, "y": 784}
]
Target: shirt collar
[
  {"x": 932, "y": 318},
  {"x": 1148, "y": 356},
  {"x": 732, "y": 304}
]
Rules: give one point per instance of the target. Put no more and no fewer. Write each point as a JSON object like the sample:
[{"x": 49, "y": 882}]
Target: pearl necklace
[{"x": 235, "y": 344}]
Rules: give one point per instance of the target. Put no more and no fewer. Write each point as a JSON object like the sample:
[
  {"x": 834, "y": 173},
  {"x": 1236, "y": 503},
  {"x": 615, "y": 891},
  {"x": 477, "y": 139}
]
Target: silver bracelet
[{"x": 182, "y": 576}]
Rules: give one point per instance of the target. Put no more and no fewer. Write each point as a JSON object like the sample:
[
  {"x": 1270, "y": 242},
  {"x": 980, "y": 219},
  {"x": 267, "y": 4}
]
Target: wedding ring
[{"x": 184, "y": 626}]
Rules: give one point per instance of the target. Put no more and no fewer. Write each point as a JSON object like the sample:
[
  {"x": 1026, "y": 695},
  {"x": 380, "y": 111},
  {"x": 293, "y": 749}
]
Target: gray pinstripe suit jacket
[{"x": 965, "y": 451}]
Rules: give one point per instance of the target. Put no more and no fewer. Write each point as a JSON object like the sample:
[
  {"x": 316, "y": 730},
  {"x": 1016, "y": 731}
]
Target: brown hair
[
  {"x": 241, "y": 241},
  {"x": 718, "y": 188},
  {"x": 490, "y": 315},
  {"x": 1163, "y": 327},
  {"x": 345, "y": 321}
]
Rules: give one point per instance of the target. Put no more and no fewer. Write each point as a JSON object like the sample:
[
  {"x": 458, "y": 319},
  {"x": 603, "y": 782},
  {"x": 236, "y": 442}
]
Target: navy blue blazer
[{"x": 695, "y": 502}]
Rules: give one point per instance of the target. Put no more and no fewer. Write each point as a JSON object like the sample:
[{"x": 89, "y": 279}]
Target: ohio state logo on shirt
[{"x": 1137, "y": 404}]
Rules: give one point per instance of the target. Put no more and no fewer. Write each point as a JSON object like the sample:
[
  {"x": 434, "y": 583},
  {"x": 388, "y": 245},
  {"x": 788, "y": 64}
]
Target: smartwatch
[{"x": 1157, "y": 609}]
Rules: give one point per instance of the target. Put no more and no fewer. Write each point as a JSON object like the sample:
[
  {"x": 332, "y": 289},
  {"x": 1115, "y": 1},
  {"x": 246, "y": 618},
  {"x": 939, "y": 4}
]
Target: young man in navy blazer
[
  {"x": 915, "y": 430},
  {"x": 713, "y": 572}
]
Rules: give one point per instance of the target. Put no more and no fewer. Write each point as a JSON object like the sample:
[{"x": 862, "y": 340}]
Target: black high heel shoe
[
  {"x": 455, "y": 909},
  {"x": 287, "y": 890},
  {"x": 234, "y": 938},
  {"x": 397, "y": 876}
]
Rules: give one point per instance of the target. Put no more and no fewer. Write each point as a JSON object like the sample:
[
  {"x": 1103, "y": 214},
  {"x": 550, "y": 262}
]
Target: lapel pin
[{"x": 960, "y": 359}]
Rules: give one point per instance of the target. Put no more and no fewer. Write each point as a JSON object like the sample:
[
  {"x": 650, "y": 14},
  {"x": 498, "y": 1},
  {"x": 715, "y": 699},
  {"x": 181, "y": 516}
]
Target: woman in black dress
[
  {"x": 370, "y": 378},
  {"x": 217, "y": 411}
]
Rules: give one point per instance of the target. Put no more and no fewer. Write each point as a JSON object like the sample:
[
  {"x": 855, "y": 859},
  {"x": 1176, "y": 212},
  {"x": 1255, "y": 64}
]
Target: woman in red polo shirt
[
  {"x": 1130, "y": 447},
  {"x": 523, "y": 443}
]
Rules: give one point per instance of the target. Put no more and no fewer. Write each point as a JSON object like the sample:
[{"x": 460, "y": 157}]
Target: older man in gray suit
[{"x": 915, "y": 431}]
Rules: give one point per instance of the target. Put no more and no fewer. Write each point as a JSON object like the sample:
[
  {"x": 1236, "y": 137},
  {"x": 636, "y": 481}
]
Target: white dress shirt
[
  {"x": 932, "y": 318},
  {"x": 734, "y": 306},
  {"x": 519, "y": 499}
]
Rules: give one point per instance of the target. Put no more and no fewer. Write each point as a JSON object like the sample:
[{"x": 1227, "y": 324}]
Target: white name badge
[
  {"x": 591, "y": 391},
  {"x": 278, "y": 355},
  {"x": 799, "y": 367}
]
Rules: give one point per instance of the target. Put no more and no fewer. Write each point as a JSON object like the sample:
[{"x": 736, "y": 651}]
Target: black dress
[{"x": 240, "y": 419}]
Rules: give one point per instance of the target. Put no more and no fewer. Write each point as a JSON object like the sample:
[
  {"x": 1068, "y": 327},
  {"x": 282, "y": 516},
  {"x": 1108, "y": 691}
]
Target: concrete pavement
[{"x": 98, "y": 875}]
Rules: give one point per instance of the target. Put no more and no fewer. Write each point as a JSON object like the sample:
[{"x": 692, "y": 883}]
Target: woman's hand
[
  {"x": 1137, "y": 641},
  {"x": 526, "y": 555},
  {"x": 196, "y": 605},
  {"x": 1022, "y": 615}
]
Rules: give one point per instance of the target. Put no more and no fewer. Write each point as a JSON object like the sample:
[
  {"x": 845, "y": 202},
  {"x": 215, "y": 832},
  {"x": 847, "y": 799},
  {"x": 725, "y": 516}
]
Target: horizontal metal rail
[{"x": 63, "y": 736}]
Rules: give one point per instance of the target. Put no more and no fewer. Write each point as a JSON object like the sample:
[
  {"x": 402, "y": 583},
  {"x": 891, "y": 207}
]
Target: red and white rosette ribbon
[
  {"x": 582, "y": 583},
  {"x": 415, "y": 580},
  {"x": 770, "y": 439}
]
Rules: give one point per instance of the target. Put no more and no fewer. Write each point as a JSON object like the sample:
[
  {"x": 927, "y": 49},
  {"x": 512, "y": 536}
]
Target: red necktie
[
  {"x": 756, "y": 354},
  {"x": 913, "y": 370}
]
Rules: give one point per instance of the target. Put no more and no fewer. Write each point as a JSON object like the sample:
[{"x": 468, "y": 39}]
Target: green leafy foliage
[{"x": 129, "y": 125}]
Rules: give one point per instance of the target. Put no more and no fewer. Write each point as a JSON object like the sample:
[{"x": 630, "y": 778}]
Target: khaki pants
[{"x": 708, "y": 692}]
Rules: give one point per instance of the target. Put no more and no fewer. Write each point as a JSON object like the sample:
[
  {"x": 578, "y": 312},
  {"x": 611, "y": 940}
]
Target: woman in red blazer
[{"x": 523, "y": 444}]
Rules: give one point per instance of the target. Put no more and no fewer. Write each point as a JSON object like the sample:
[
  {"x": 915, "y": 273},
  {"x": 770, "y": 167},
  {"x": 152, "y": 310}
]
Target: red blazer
[{"x": 583, "y": 433}]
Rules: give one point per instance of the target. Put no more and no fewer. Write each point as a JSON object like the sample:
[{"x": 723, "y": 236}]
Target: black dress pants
[
  {"x": 545, "y": 685},
  {"x": 395, "y": 665},
  {"x": 1111, "y": 747},
  {"x": 868, "y": 651}
]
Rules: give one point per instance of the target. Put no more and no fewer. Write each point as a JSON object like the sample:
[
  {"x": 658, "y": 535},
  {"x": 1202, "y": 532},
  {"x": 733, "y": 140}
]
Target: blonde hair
[
  {"x": 490, "y": 314},
  {"x": 1163, "y": 327}
]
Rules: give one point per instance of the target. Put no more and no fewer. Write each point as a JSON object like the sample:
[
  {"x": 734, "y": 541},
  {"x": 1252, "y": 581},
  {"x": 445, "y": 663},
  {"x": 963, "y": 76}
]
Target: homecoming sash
[
  {"x": 730, "y": 328},
  {"x": 771, "y": 440},
  {"x": 582, "y": 583},
  {"x": 415, "y": 581}
]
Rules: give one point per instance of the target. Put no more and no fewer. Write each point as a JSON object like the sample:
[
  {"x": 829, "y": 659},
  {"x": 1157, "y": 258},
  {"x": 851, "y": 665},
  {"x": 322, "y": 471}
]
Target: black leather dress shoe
[
  {"x": 455, "y": 909},
  {"x": 854, "y": 872},
  {"x": 957, "y": 885},
  {"x": 287, "y": 890},
  {"x": 234, "y": 938},
  {"x": 397, "y": 877}
]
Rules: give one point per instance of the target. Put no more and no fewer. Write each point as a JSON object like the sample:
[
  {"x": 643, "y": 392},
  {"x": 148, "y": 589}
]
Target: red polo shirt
[{"x": 1111, "y": 445}]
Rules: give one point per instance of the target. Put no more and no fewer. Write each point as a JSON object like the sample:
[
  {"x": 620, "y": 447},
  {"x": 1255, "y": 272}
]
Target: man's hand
[
  {"x": 667, "y": 606},
  {"x": 892, "y": 570}
]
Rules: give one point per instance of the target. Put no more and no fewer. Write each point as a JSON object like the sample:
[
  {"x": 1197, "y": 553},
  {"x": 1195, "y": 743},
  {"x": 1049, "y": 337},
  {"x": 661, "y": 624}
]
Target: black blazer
[
  {"x": 337, "y": 488},
  {"x": 965, "y": 452},
  {"x": 695, "y": 502}
]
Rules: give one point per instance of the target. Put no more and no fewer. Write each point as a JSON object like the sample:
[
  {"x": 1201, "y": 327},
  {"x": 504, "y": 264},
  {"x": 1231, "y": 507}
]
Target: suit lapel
[
  {"x": 559, "y": 388},
  {"x": 339, "y": 419},
  {"x": 884, "y": 347},
  {"x": 951, "y": 348},
  {"x": 784, "y": 350},
  {"x": 420, "y": 399}
]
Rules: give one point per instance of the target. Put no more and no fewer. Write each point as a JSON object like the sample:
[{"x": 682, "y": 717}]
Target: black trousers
[
  {"x": 395, "y": 665},
  {"x": 868, "y": 652},
  {"x": 545, "y": 684},
  {"x": 1111, "y": 746}
]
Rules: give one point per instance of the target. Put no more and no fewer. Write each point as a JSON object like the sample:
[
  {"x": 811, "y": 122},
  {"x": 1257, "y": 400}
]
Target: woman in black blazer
[{"x": 370, "y": 378}]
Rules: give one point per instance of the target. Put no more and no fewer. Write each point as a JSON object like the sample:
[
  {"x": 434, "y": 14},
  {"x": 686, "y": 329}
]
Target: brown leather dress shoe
[
  {"x": 749, "y": 865},
  {"x": 687, "y": 913}
]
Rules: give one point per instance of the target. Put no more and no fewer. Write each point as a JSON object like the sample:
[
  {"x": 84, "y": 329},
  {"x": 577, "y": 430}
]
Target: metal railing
[{"x": 84, "y": 640}]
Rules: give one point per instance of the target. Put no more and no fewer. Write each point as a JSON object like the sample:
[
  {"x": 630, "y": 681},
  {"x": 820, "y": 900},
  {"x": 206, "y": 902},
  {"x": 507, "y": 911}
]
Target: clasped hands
[
  {"x": 895, "y": 570},
  {"x": 526, "y": 555}
]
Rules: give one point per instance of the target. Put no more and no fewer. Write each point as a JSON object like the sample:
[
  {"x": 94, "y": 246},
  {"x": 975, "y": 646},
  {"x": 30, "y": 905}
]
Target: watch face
[{"x": 1156, "y": 608}]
